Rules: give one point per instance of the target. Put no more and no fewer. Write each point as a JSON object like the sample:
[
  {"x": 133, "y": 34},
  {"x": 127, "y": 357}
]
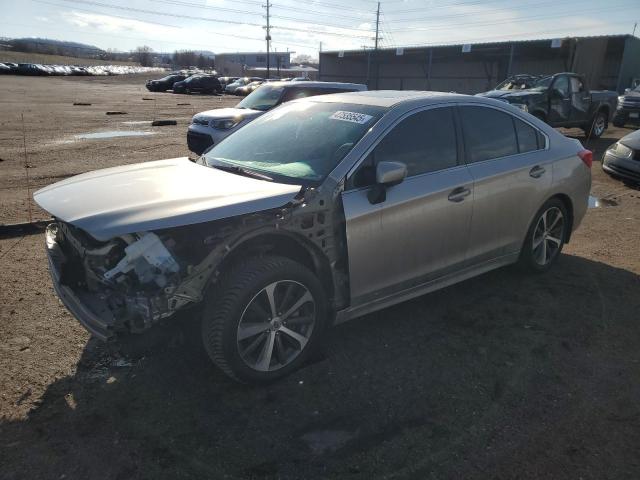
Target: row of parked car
[
  {"x": 200, "y": 82},
  {"x": 37, "y": 69}
]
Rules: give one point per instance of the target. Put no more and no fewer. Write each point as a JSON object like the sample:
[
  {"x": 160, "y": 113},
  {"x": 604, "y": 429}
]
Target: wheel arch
[
  {"x": 283, "y": 243},
  {"x": 568, "y": 205}
]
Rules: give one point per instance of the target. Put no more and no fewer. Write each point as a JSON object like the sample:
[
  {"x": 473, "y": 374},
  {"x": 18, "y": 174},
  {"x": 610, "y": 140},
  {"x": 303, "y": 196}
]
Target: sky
[{"x": 305, "y": 26}]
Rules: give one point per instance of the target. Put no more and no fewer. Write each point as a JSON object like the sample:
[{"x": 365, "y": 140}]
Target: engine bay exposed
[{"x": 138, "y": 279}]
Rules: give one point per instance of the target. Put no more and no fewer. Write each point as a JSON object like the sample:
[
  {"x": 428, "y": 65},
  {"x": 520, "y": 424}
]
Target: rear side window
[
  {"x": 488, "y": 133},
  {"x": 527, "y": 137}
]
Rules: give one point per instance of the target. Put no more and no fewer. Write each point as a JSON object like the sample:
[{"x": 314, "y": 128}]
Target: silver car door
[
  {"x": 512, "y": 174},
  {"x": 422, "y": 227}
]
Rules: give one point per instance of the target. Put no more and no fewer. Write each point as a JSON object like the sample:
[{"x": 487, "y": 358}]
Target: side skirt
[{"x": 424, "y": 288}]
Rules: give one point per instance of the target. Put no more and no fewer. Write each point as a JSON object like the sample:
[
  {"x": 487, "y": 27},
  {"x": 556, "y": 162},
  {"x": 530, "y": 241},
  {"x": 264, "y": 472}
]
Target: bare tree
[{"x": 144, "y": 56}]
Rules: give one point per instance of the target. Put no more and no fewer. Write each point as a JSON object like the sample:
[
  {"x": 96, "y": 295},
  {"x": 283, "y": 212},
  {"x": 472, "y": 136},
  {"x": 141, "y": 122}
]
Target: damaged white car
[{"x": 321, "y": 210}]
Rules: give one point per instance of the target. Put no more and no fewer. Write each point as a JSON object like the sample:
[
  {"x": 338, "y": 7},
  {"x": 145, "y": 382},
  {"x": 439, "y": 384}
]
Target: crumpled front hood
[
  {"x": 632, "y": 140},
  {"x": 155, "y": 195},
  {"x": 493, "y": 94},
  {"x": 222, "y": 113},
  {"x": 516, "y": 95}
]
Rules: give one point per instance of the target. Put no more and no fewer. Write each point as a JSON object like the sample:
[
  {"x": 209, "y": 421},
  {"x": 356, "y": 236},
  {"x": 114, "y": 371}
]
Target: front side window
[
  {"x": 424, "y": 142},
  {"x": 562, "y": 85},
  {"x": 299, "y": 142},
  {"x": 488, "y": 133}
]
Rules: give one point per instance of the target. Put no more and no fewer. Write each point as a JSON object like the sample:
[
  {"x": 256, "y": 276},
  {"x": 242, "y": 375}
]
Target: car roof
[
  {"x": 390, "y": 98},
  {"x": 311, "y": 84}
]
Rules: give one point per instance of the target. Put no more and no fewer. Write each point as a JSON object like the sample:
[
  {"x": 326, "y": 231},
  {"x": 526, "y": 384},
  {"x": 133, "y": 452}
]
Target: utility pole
[
  {"x": 375, "y": 54},
  {"x": 268, "y": 39},
  {"x": 377, "y": 26}
]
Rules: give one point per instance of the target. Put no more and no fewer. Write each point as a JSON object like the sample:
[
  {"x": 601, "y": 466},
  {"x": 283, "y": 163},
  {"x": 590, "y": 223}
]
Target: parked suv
[
  {"x": 198, "y": 83},
  {"x": 628, "y": 110},
  {"x": 165, "y": 83},
  {"x": 563, "y": 100},
  {"x": 322, "y": 210},
  {"x": 210, "y": 127}
]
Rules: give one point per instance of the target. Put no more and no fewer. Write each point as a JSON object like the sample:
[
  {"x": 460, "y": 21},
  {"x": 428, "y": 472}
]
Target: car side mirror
[
  {"x": 555, "y": 93},
  {"x": 388, "y": 174},
  {"x": 627, "y": 90}
]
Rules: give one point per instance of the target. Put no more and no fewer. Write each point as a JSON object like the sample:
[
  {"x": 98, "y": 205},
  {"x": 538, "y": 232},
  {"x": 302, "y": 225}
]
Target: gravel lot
[{"x": 502, "y": 376}]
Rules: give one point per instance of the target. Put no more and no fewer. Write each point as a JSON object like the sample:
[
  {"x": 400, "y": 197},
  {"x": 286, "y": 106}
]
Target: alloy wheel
[
  {"x": 547, "y": 236},
  {"x": 276, "y": 325},
  {"x": 599, "y": 126}
]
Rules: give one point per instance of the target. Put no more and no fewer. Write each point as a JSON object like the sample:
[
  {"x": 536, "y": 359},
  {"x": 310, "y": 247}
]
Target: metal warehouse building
[{"x": 608, "y": 62}]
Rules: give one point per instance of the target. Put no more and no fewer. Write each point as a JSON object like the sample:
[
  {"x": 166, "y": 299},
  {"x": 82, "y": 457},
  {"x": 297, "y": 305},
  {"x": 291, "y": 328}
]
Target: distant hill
[{"x": 54, "y": 47}]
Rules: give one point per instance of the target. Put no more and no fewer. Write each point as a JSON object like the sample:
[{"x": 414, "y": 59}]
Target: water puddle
[
  {"x": 595, "y": 202},
  {"x": 113, "y": 134}
]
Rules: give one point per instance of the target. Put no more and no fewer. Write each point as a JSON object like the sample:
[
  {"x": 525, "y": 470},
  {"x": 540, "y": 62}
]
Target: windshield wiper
[{"x": 243, "y": 171}]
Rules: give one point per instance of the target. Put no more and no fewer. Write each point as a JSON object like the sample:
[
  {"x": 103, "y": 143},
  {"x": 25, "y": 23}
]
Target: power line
[
  {"x": 170, "y": 26},
  {"x": 207, "y": 19}
]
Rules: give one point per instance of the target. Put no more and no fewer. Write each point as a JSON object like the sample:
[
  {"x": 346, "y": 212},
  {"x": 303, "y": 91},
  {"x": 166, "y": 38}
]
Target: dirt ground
[{"x": 503, "y": 376}]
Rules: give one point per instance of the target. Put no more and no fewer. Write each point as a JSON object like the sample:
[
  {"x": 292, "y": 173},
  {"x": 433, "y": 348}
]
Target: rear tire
[
  {"x": 546, "y": 237},
  {"x": 253, "y": 349}
]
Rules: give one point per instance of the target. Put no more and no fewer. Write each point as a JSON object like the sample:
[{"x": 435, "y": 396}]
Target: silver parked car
[
  {"x": 321, "y": 210},
  {"x": 211, "y": 127}
]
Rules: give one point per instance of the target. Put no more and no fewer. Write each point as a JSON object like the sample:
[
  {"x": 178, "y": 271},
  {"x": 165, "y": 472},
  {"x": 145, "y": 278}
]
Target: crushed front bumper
[{"x": 89, "y": 310}]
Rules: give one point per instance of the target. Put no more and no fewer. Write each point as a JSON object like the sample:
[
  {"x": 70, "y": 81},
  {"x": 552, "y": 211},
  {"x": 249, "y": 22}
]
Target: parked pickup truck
[
  {"x": 628, "y": 110},
  {"x": 563, "y": 100}
]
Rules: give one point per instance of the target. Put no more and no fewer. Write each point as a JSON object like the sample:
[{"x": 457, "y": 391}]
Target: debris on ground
[{"x": 162, "y": 123}]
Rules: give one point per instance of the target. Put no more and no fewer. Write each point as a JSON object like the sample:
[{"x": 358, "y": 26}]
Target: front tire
[
  {"x": 546, "y": 237},
  {"x": 598, "y": 126},
  {"x": 264, "y": 319}
]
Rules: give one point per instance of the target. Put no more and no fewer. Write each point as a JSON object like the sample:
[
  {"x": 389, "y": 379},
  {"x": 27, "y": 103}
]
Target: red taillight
[{"x": 586, "y": 156}]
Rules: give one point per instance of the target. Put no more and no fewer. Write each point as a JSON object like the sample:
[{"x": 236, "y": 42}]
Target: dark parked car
[
  {"x": 31, "y": 69},
  {"x": 165, "y": 83},
  {"x": 622, "y": 159},
  {"x": 563, "y": 100},
  {"x": 198, "y": 83},
  {"x": 628, "y": 110}
]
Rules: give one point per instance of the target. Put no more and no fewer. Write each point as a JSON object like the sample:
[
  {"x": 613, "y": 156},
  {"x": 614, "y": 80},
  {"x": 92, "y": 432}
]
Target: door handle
[
  {"x": 536, "y": 172},
  {"x": 458, "y": 194}
]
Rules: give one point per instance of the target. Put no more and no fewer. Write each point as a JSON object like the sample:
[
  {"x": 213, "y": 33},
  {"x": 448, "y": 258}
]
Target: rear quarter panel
[{"x": 571, "y": 177}]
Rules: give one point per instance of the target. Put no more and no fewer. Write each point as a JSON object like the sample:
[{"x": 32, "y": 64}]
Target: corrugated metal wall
[{"x": 447, "y": 68}]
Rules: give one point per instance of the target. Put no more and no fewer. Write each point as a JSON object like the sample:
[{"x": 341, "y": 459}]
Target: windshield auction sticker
[{"x": 353, "y": 117}]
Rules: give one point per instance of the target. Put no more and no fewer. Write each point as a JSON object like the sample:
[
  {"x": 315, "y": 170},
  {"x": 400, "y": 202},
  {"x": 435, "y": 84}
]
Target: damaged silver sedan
[{"x": 322, "y": 210}]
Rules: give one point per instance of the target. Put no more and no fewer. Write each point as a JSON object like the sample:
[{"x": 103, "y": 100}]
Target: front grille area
[{"x": 198, "y": 142}]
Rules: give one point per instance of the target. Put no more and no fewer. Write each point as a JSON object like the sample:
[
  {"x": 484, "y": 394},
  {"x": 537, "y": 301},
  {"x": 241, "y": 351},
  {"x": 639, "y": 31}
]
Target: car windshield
[
  {"x": 264, "y": 98},
  {"x": 542, "y": 84},
  {"x": 318, "y": 135}
]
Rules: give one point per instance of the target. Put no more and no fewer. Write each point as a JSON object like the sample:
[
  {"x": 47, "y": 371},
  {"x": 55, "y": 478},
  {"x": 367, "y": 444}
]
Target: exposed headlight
[
  {"x": 521, "y": 106},
  {"x": 225, "y": 124},
  {"x": 620, "y": 150},
  {"x": 620, "y": 98}
]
